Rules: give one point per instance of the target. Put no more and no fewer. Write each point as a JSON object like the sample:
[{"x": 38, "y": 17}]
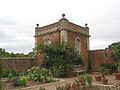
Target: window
[
  {"x": 78, "y": 45},
  {"x": 47, "y": 41}
]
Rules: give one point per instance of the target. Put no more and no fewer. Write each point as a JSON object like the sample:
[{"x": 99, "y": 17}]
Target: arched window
[
  {"x": 47, "y": 41},
  {"x": 78, "y": 45}
]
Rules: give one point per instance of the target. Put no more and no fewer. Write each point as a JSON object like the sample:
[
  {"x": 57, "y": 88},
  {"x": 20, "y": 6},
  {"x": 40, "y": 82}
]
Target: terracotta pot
[
  {"x": 70, "y": 74},
  {"x": 98, "y": 78},
  {"x": 104, "y": 81},
  {"x": 109, "y": 71},
  {"x": 117, "y": 75}
]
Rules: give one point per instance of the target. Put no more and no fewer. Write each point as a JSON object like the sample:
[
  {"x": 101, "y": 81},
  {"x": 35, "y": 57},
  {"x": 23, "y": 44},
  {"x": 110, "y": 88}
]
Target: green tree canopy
[{"x": 113, "y": 45}]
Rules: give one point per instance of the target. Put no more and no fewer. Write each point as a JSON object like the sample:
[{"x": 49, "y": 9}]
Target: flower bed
[{"x": 35, "y": 76}]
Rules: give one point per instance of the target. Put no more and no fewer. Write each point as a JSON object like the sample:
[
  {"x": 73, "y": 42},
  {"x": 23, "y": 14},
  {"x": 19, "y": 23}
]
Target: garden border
[{"x": 36, "y": 86}]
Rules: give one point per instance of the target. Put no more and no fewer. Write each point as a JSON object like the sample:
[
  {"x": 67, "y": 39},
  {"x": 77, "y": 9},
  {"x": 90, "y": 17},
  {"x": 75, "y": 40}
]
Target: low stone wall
[
  {"x": 21, "y": 64},
  {"x": 97, "y": 57}
]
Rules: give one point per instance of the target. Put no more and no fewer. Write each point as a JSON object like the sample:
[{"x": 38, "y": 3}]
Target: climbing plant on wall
[{"x": 58, "y": 56}]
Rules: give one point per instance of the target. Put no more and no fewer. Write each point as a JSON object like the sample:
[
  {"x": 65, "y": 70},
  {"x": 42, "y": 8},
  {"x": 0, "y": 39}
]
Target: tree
[
  {"x": 113, "y": 45},
  {"x": 4, "y": 54}
]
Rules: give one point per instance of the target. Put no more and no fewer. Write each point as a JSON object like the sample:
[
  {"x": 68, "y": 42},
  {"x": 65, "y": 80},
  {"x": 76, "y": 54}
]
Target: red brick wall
[
  {"x": 71, "y": 39},
  {"x": 40, "y": 40},
  {"x": 98, "y": 57},
  {"x": 21, "y": 64}
]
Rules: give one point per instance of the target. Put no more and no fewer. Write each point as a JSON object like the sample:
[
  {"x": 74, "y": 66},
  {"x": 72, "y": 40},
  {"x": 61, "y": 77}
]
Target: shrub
[
  {"x": 10, "y": 70},
  {"x": 17, "y": 82},
  {"x": 10, "y": 76},
  {"x": 56, "y": 56},
  {"x": 116, "y": 55},
  {"x": 23, "y": 81},
  {"x": 103, "y": 71},
  {"x": 41, "y": 75}
]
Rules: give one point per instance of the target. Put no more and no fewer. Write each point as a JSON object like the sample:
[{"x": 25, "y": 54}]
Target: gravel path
[{"x": 111, "y": 81}]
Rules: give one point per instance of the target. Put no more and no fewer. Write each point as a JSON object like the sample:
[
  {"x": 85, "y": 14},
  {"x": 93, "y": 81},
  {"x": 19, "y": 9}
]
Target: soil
[{"x": 9, "y": 85}]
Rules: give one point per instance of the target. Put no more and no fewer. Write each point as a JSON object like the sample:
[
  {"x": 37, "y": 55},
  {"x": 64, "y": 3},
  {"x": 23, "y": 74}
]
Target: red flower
[
  {"x": 74, "y": 86},
  {"x": 67, "y": 88}
]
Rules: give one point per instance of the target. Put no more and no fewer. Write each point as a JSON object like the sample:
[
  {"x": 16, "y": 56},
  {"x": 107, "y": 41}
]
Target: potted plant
[
  {"x": 98, "y": 76},
  {"x": 70, "y": 69},
  {"x": 117, "y": 75},
  {"x": 103, "y": 71}
]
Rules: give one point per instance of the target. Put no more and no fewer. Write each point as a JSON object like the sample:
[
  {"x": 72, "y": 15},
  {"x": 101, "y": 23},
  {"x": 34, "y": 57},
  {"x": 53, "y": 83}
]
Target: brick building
[{"x": 64, "y": 30}]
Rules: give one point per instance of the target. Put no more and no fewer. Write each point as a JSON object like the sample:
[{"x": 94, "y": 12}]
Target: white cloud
[{"x": 18, "y": 19}]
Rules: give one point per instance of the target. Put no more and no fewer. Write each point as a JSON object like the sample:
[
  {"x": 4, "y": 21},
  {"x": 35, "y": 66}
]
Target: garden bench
[{"x": 79, "y": 69}]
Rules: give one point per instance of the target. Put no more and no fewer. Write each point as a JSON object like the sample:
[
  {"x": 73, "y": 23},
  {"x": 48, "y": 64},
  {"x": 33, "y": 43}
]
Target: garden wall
[
  {"x": 97, "y": 57},
  {"x": 21, "y": 64}
]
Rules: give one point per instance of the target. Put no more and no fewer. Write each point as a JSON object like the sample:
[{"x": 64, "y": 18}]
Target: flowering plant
[
  {"x": 41, "y": 88},
  {"x": 68, "y": 86},
  {"x": 81, "y": 80},
  {"x": 17, "y": 81}
]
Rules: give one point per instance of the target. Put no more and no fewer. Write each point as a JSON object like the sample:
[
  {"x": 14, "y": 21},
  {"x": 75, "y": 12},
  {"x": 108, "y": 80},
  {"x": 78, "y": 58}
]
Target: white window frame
[
  {"x": 46, "y": 41},
  {"x": 78, "y": 48}
]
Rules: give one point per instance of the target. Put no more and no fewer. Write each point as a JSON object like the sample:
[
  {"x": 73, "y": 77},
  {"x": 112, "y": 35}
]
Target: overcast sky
[{"x": 18, "y": 20}]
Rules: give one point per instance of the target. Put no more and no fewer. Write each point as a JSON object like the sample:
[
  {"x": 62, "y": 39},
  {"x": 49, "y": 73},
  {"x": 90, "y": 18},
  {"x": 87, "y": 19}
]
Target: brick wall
[
  {"x": 98, "y": 57},
  {"x": 63, "y": 30},
  {"x": 41, "y": 39},
  {"x": 21, "y": 64},
  {"x": 71, "y": 39}
]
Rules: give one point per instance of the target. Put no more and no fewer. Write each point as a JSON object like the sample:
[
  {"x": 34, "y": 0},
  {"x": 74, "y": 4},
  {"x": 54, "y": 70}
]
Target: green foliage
[
  {"x": 17, "y": 82},
  {"x": 103, "y": 71},
  {"x": 41, "y": 88},
  {"x": 20, "y": 81},
  {"x": 113, "y": 45},
  {"x": 110, "y": 66},
  {"x": 57, "y": 56},
  {"x": 116, "y": 55},
  {"x": 4, "y": 54},
  {"x": 10, "y": 76},
  {"x": 23, "y": 80},
  {"x": 10, "y": 70},
  {"x": 58, "y": 70},
  {"x": 31, "y": 54},
  {"x": 82, "y": 80},
  {"x": 70, "y": 67},
  {"x": 41, "y": 75},
  {"x": 89, "y": 80}
]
